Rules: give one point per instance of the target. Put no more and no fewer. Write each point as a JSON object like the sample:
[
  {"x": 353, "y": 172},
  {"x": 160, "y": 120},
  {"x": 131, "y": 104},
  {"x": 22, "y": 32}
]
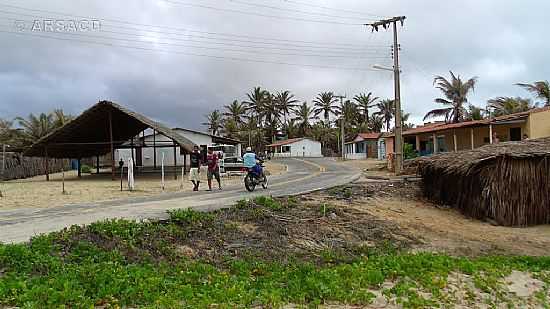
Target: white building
[
  {"x": 296, "y": 147},
  {"x": 363, "y": 146},
  {"x": 148, "y": 150}
]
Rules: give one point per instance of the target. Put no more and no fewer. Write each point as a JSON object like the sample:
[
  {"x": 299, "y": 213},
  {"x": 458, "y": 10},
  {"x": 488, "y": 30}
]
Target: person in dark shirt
[
  {"x": 213, "y": 169},
  {"x": 194, "y": 172}
]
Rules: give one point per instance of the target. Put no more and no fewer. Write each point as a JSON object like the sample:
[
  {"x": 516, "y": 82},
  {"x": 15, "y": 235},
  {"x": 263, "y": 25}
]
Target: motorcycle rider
[{"x": 250, "y": 162}]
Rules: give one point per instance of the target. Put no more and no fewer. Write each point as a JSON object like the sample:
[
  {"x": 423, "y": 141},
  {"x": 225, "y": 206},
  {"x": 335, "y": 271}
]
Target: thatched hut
[{"x": 508, "y": 183}]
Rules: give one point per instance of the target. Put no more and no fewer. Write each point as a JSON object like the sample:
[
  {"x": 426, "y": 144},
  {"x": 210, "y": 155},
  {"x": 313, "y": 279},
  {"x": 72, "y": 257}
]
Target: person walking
[
  {"x": 213, "y": 169},
  {"x": 195, "y": 170}
]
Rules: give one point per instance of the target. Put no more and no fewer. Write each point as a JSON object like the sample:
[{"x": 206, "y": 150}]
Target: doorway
[{"x": 515, "y": 134}]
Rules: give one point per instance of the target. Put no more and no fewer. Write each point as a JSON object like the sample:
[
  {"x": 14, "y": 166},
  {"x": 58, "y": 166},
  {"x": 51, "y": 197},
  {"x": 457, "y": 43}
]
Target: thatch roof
[
  {"x": 88, "y": 135},
  {"x": 508, "y": 183}
]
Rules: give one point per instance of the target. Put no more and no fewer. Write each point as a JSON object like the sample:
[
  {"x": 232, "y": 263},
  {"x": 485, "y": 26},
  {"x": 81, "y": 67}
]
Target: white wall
[
  {"x": 305, "y": 148},
  {"x": 161, "y": 140}
]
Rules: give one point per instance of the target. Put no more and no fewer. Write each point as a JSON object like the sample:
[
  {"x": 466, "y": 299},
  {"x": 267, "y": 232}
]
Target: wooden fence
[{"x": 19, "y": 167}]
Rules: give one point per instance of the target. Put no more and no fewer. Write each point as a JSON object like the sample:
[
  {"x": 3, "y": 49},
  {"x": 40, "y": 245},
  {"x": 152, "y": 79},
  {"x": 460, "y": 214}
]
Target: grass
[{"x": 82, "y": 267}]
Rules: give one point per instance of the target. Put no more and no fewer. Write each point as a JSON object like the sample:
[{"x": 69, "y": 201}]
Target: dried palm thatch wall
[
  {"x": 19, "y": 167},
  {"x": 507, "y": 182}
]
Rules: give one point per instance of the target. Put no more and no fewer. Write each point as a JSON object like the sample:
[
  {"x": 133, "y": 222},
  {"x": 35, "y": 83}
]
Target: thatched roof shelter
[
  {"x": 98, "y": 131},
  {"x": 89, "y": 134},
  {"x": 506, "y": 182}
]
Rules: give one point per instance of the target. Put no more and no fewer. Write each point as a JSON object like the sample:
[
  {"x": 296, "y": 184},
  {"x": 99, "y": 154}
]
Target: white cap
[{"x": 248, "y": 148}]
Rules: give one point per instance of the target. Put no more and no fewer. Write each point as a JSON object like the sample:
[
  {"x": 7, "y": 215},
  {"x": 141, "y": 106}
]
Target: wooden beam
[{"x": 113, "y": 176}]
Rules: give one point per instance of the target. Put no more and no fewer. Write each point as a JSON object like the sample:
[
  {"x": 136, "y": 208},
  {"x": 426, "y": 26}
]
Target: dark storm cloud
[{"x": 501, "y": 42}]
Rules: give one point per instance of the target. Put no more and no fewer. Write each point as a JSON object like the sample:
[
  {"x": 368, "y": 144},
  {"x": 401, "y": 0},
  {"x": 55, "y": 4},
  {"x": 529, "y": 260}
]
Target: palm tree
[
  {"x": 540, "y": 89},
  {"x": 235, "y": 111},
  {"x": 386, "y": 110},
  {"x": 292, "y": 130},
  {"x": 255, "y": 103},
  {"x": 230, "y": 128},
  {"x": 365, "y": 101},
  {"x": 507, "y": 105},
  {"x": 34, "y": 128},
  {"x": 60, "y": 118},
  {"x": 286, "y": 103},
  {"x": 214, "y": 122},
  {"x": 271, "y": 114},
  {"x": 324, "y": 103},
  {"x": 7, "y": 132},
  {"x": 304, "y": 116},
  {"x": 404, "y": 121},
  {"x": 376, "y": 122},
  {"x": 349, "y": 112},
  {"x": 456, "y": 93},
  {"x": 474, "y": 113}
]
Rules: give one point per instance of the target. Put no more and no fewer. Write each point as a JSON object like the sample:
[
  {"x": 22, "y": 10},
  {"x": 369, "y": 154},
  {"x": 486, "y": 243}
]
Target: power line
[
  {"x": 182, "y": 52},
  {"x": 293, "y": 10},
  {"x": 119, "y": 21},
  {"x": 260, "y": 14},
  {"x": 269, "y": 44},
  {"x": 332, "y": 8},
  {"x": 262, "y": 49},
  {"x": 208, "y": 47}
]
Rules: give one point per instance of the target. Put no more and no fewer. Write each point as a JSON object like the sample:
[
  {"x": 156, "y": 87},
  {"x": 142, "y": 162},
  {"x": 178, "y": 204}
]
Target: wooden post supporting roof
[
  {"x": 47, "y": 164},
  {"x": 436, "y": 146},
  {"x": 418, "y": 143},
  {"x": 97, "y": 164},
  {"x": 185, "y": 162},
  {"x": 79, "y": 173},
  {"x": 154, "y": 149},
  {"x": 113, "y": 176},
  {"x": 455, "y": 141},
  {"x": 472, "y": 138},
  {"x": 175, "y": 163}
]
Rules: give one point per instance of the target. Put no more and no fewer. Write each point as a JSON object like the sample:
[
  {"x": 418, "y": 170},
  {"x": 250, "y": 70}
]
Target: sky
[{"x": 176, "y": 60}]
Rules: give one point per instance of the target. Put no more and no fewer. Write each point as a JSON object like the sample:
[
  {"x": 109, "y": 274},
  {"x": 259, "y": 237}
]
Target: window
[{"x": 286, "y": 148}]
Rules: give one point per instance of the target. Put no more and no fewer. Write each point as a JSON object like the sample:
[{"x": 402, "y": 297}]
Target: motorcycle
[{"x": 254, "y": 178}]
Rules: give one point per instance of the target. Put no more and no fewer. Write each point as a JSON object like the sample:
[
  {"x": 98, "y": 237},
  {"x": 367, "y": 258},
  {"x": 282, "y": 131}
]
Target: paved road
[{"x": 18, "y": 225}]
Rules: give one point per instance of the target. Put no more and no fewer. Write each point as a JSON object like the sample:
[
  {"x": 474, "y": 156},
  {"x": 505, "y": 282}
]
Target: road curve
[{"x": 304, "y": 175}]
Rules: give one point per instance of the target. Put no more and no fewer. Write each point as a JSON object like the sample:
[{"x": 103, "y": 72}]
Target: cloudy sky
[{"x": 175, "y": 60}]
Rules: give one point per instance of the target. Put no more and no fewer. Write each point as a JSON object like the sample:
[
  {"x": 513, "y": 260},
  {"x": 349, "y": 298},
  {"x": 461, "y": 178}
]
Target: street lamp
[{"x": 398, "y": 126}]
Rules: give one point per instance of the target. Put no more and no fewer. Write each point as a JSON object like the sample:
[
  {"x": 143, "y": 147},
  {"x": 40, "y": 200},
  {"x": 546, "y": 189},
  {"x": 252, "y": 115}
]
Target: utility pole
[
  {"x": 342, "y": 124},
  {"x": 387, "y": 23}
]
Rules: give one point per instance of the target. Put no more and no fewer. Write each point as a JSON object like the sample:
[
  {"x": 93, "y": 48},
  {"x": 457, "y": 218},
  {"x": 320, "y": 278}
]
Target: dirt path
[{"x": 440, "y": 229}]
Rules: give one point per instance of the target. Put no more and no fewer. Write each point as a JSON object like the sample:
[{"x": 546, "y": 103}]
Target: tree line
[
  {"x": 32, "y": 128},
  {"x": 457, "y": 108},
  {"x": 263, "y": 116}
]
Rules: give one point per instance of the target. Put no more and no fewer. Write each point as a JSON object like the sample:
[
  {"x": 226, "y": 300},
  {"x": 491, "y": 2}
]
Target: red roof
[
  {"x": 369, "y": 135},
  {"x": 286, "y": 142},
  {"x": 441, "y": 126}
]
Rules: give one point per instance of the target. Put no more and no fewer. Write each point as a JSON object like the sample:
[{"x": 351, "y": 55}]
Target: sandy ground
[
  {"x": 36, "y": 192},
  {"x": 440, "y": 229}
]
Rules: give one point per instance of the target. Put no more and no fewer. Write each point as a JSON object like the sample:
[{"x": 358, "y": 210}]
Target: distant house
[
  {"x": 363, "y": 146},
  {"x": 149, "y": 149},
  {"x": 296, "y": 147},
  {"x": 441, "y": 137}
]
